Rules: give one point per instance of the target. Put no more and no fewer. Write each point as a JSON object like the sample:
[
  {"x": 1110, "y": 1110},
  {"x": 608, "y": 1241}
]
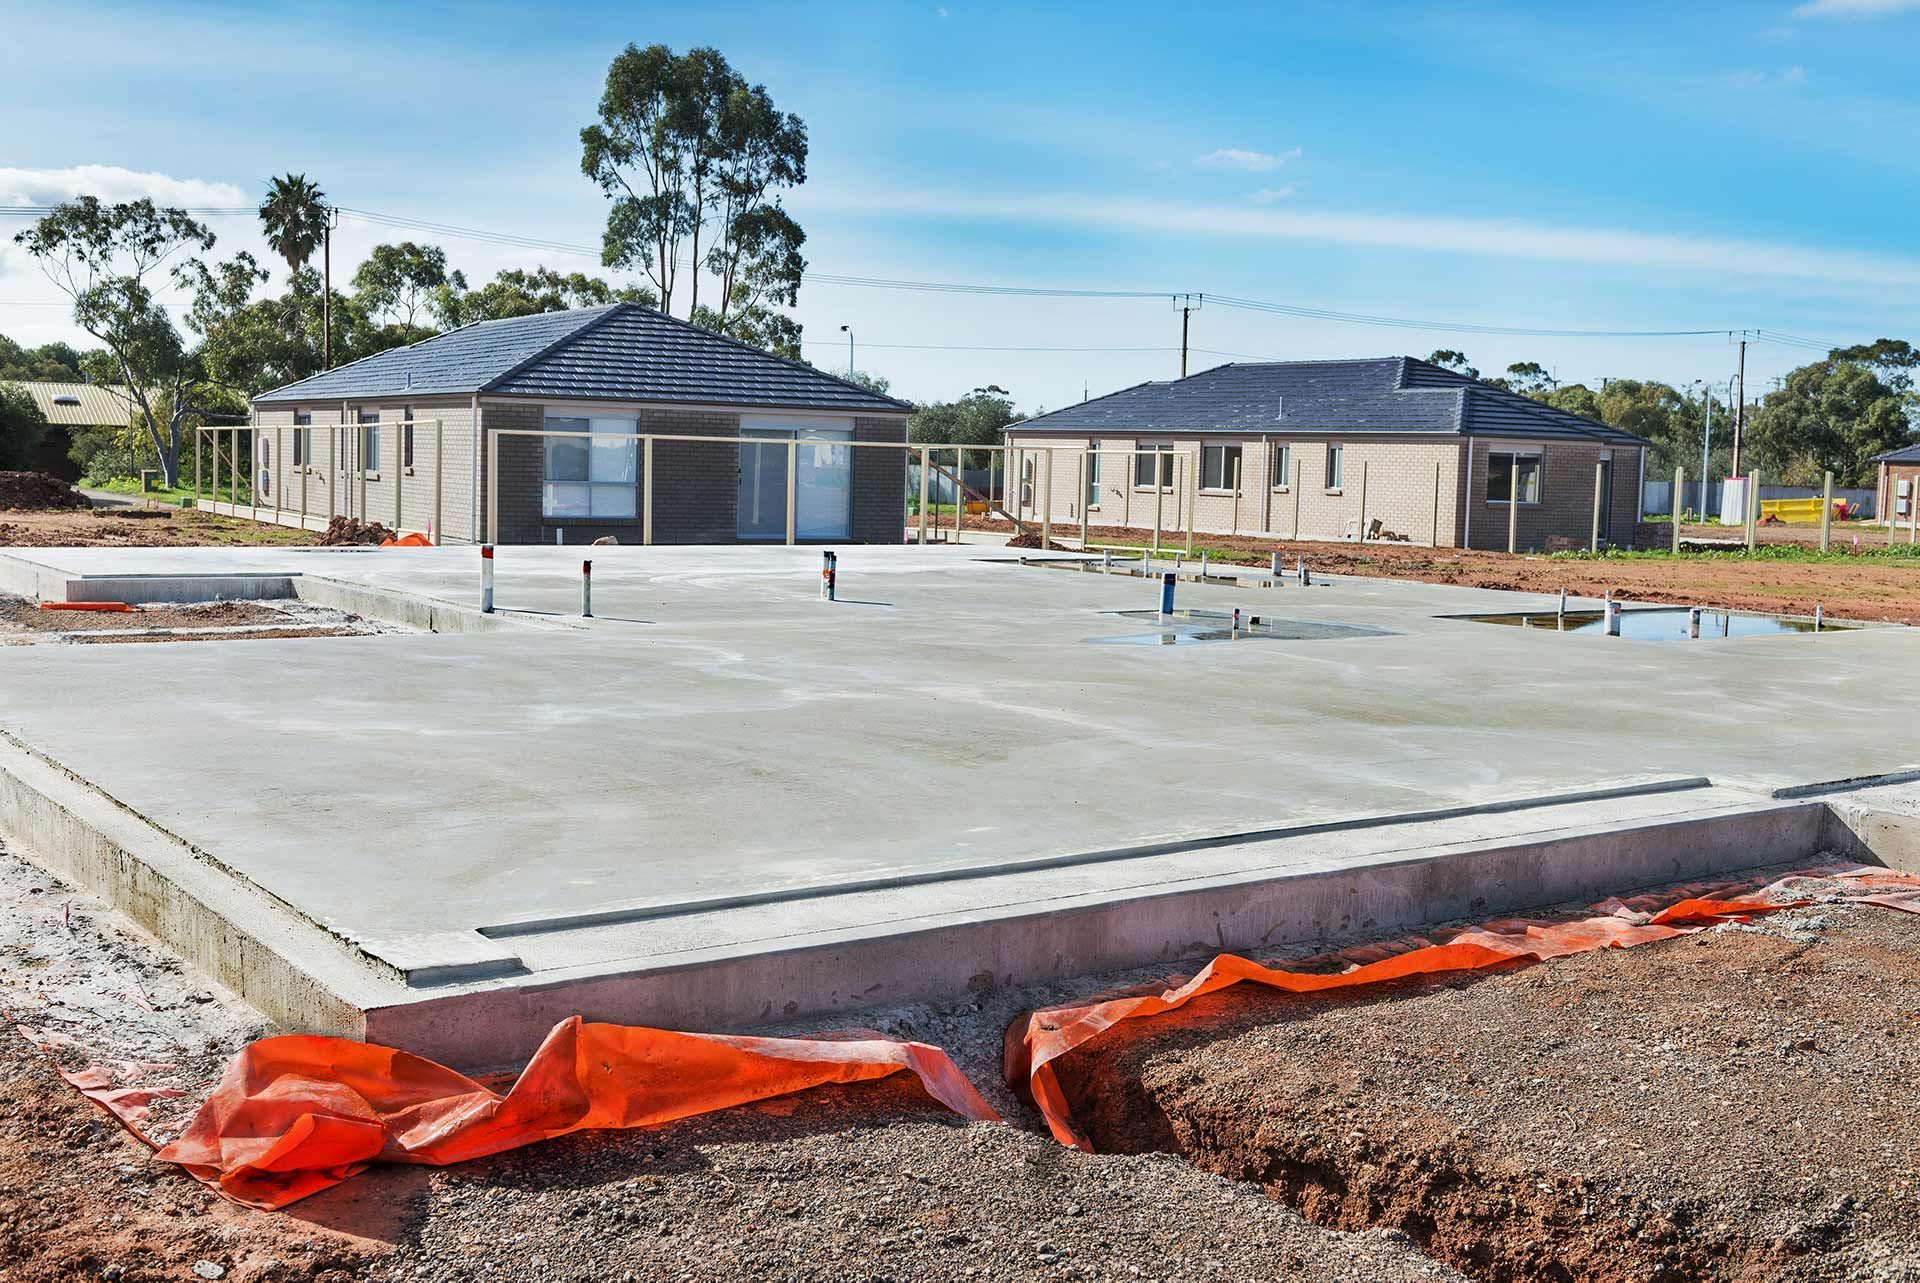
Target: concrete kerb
[{"x": 737, "y": 988}]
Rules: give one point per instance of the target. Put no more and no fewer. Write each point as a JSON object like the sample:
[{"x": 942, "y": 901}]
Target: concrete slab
[{"x": 720, "y": 767}]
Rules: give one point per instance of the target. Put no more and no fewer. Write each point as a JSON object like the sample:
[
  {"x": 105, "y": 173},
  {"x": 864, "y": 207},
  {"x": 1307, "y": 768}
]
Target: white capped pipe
[{"x": 486, "y": 578}]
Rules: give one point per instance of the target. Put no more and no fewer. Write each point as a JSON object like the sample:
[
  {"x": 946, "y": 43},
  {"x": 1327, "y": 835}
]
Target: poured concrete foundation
[{"x": 723, "y": 799}]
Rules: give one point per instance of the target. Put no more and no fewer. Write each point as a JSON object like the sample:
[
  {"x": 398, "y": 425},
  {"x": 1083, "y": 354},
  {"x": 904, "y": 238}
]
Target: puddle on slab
[
  {"x": 1664, "y": 623},
  {"x": 1190, "y": 627}
]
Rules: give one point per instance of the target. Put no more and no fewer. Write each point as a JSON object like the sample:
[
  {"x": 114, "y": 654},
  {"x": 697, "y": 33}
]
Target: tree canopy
[
  {"x": 520, "y": 293},
  {"x": 690, "y": 154},
  {"x": 980, "y": 418}
]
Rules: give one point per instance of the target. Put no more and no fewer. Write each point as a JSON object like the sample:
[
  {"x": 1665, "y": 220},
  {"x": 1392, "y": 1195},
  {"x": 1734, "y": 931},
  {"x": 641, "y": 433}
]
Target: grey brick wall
[
  {"x": 879, "y": 483},
  {"x": 695, "y": 486}
]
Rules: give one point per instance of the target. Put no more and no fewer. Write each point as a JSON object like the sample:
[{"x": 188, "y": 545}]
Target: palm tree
[{"x": 298, "y": 221}]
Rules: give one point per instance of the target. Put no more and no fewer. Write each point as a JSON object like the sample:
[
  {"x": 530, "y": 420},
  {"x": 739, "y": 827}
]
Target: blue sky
[{"x": 1633, "y": 166}]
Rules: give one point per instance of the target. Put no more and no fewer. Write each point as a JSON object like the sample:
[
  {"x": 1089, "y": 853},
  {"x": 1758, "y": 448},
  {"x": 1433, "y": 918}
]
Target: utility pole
[
  {"x": 848, "y": 331},
  {"x": 1740, "y": 409},
  {"x": 1188, "y": 305},
  {"x": 326, "y": 289}
]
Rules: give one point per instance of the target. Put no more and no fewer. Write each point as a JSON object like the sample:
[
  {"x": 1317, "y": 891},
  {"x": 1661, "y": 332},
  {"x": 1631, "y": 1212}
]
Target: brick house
[
  {"x": 1898, "y": 489},
  {"x": 407, "y": 437},
  {"x": 1324, "y": 449}
]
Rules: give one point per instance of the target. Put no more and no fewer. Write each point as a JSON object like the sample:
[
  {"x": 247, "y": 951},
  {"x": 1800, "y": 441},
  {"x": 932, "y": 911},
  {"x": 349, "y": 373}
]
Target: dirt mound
[
  {"x": 38, "y": 492},
  {"x": 1031, "y": 540},
  {"x": 352, "y": 530}
]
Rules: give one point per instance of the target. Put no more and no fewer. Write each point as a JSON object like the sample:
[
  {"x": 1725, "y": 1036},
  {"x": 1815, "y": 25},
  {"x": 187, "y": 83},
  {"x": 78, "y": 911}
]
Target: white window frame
[
  {"x": 1093, "y": 474},
  {"x": 1336, "y": 467},
  {"x": 1280, "y": 460},
  {"x": 1536, "y": 457},
  {"x": 302, "y": 438},
  {"x": 629, "y": 426},
  {"x": 367, "y": 440},
  {"x": 1229, "y": 451}
]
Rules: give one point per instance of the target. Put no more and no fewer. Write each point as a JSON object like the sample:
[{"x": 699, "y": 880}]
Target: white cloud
[
  {"x": 1855, "y": 8},
  {"x": 1257, "y": 162},
  {"x": 1269, "y": 195},
  {"x": 1623, "y": 248},
  {"x": 112, "y": 183}
]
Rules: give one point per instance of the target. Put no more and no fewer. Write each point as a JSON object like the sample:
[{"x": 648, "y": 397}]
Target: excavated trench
[{"x": 1727, "y": 1106}]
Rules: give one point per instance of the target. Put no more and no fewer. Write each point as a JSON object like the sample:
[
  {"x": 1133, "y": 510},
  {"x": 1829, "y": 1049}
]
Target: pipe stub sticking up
[{"x": 829, "y": 576}]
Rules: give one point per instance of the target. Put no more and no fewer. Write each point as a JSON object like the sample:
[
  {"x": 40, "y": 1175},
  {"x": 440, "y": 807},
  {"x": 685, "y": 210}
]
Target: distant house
[
  {"x": 410, "y": 438},
  {"x": 1899, "y": 485},
  {"x": 71, "y": 407},
  {"x": 1325, "y": 449}
]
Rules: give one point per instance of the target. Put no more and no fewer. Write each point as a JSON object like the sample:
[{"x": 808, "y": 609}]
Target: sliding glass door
[{"x": 823, "y": 480}]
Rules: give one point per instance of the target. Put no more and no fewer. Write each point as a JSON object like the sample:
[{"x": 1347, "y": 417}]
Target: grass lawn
[{"x": 169, "y": 494}]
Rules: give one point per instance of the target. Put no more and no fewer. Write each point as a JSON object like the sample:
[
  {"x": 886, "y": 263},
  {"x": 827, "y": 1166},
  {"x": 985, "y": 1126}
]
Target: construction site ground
[
  {"x": 843, "y": 1183},
  {"x": 1729, "y": 1105},
  {"x": 1723, "y": 1106},
  {"x": 1877, "y": 586},
  {"x": 158, "y": 526}
]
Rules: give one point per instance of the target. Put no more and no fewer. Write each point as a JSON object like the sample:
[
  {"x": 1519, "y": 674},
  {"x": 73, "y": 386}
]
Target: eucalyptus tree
[{"x": 105, "y": 258}]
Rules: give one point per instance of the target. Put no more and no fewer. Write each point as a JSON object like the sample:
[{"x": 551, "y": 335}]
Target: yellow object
[{"x": 1795, "y": 512}]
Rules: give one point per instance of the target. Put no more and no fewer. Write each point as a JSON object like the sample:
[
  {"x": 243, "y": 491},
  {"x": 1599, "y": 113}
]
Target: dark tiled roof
[
  {"x": 1905, "y": 454},
  {"x": 620, "y": 352},
  {"x": 1382, "y": 394}
]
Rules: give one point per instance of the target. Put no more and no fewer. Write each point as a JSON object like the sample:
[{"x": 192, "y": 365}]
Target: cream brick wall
[
  {"x": 1566, "y": 502},
  {"x": 1401, "y": 477},
  {"x": 391, "y": 495}
]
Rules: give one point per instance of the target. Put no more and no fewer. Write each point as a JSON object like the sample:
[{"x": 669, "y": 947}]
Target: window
[
  {"x": 587, "y": 476},
  {"x": 266, "y": 449},
  {"x": 1093, "y": 474},
  {"x": 1026, "y": 481},
  {"x": 1282, "y": 466},
  {"x": 369, "y": 441},
  {"x": 1500, "y": 476},
  {"x": 406, "y": 437},
  {"x": 1143, "y": 467},
  {"x": 1220, "y": 467},
  {"x": 1336, "y": 460},
  {"x": 302, "y": 436}
]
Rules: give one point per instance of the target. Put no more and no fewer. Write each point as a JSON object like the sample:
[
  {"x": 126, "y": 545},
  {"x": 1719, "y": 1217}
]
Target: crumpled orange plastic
[
  {"x": 1035, "y": 1044},
  {"x": 293, "y": 1115}
]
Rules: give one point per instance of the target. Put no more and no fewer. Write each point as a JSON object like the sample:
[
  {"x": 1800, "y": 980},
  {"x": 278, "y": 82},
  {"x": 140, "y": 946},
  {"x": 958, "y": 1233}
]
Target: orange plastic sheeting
[
  {"x": 407, "y": 541},
  {"x": 115, "y": 1084},
  {"x": 296, "y": 1114},
  {"x": 85, "y": 605},
  {"x": 1033, "y": 1048}
]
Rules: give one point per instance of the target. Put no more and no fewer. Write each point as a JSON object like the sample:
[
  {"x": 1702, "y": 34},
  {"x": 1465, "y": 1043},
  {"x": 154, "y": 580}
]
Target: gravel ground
[
  {"x": 1729, "y": 1105},
  {"x": 858, "y": 1183}
]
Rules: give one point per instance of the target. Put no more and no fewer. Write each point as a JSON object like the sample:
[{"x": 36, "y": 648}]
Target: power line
[{"x": 514, "y": 240}]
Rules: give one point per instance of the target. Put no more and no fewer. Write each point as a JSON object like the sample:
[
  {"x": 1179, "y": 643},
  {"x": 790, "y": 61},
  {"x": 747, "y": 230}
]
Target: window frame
[
  {"x": 302, "y": 438},
  {"x": 1092, "y": 497},
  {"x": 1151, "y": 449},
  {"x": 1280, "y": 465},
  {"x": 367, "y": 441},
  {"x": 1336, "y": 474},
  {"x": 1536, "y": 456},
  {"x": 1230, "y": 452},
  {"x": 547, "y": 480}
]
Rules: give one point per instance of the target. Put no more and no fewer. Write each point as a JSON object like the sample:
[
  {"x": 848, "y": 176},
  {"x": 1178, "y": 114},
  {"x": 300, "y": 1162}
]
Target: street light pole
[{"x": 848, "y": 331}]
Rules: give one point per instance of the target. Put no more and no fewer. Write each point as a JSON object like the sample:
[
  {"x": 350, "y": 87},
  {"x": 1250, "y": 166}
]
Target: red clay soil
[
  {"x": 38, "y": 492},
  {"x": 1727, "y": 1106},
  {"x": 107, "y": 528},
  {"x": 19, "y": 613},
  {"x": 352, "y": 530},
  {"x": 1870, "y": 589}
]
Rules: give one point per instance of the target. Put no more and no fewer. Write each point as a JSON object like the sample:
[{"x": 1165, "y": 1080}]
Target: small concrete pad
[{"x": 721, "y": 765}]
